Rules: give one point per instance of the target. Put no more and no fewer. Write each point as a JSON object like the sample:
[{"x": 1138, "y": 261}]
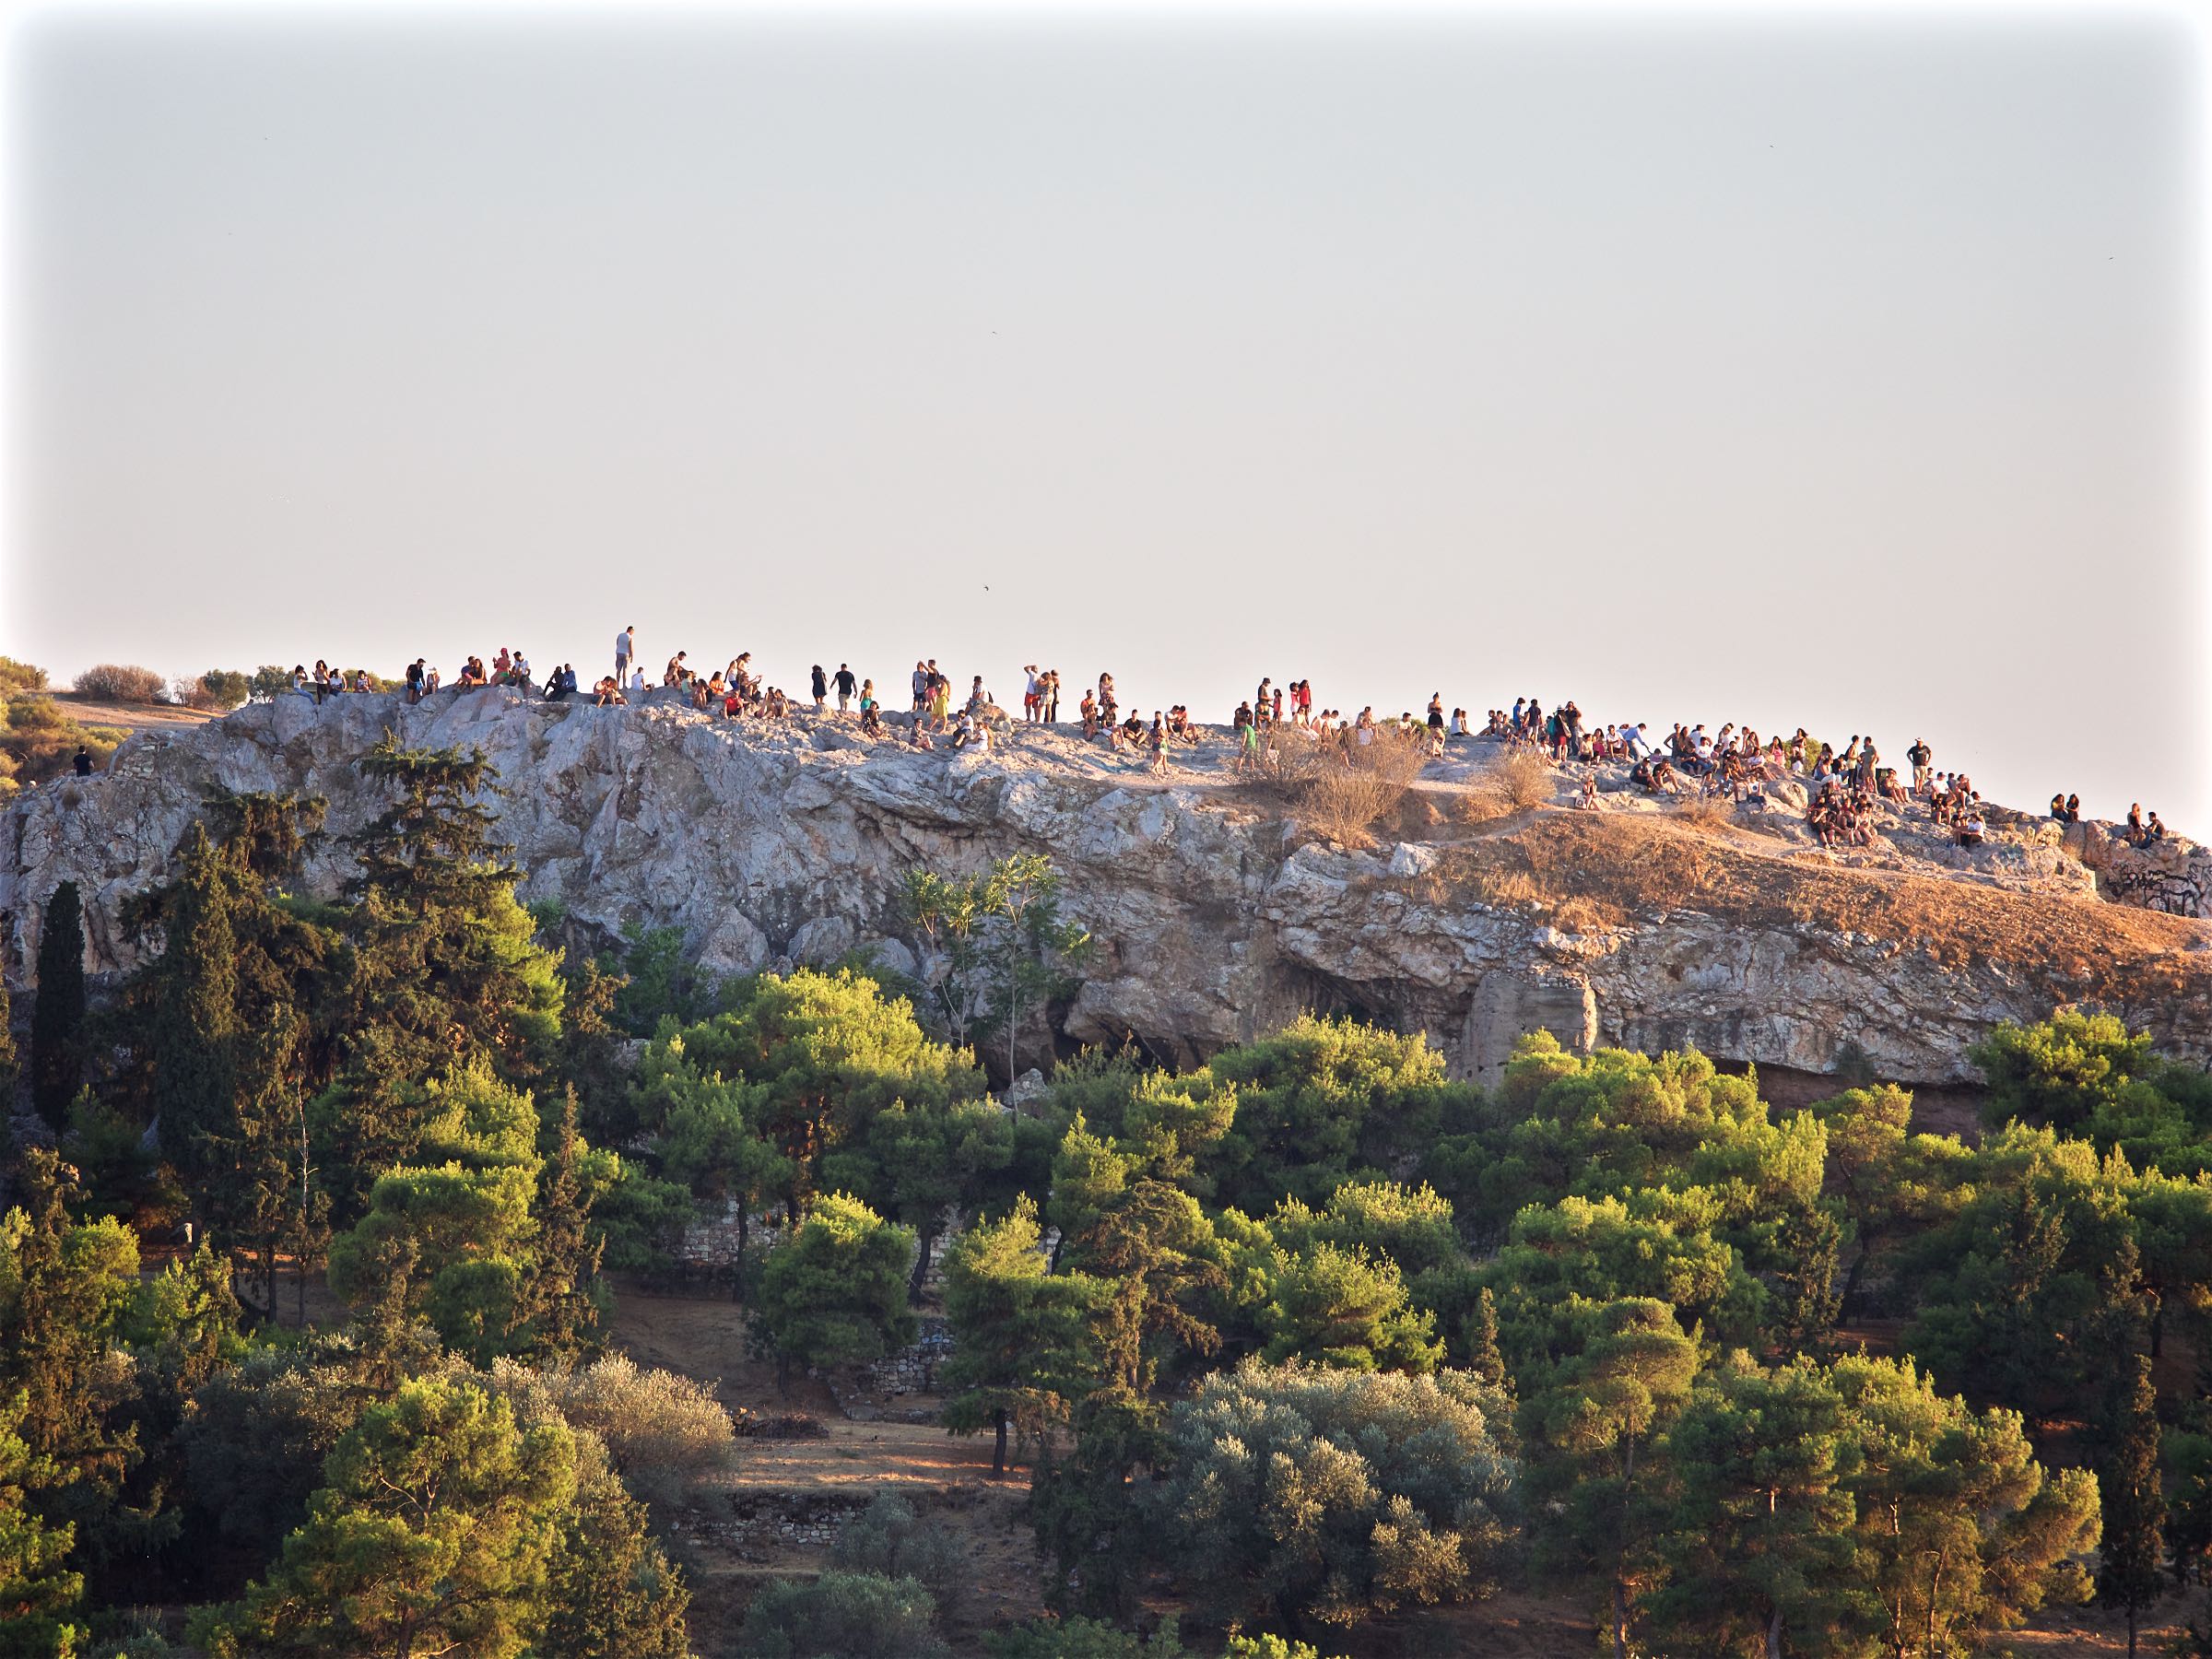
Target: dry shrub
[
  {"x": 1483, "y": 803},
  {"x": 120, "y": 682},
  {"x": 1706, "y": 812},
  {"x": 664, "y": 1431},
  {"x": 1338, "y": 790},
  {"x": 1523, "y": 780}
]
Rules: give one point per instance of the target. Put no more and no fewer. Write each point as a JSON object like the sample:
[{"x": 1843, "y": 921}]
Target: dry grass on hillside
[
  {"x": 1340, "y": 793},
  {"x": 1615, "y": 865}
]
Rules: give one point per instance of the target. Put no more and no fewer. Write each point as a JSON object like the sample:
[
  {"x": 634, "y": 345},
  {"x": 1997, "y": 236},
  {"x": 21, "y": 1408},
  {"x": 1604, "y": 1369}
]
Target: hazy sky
[{"x": 1843, "y": 369}]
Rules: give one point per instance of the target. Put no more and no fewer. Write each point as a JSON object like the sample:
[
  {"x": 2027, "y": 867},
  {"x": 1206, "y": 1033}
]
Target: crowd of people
[{"x": 1845, "y": 789}]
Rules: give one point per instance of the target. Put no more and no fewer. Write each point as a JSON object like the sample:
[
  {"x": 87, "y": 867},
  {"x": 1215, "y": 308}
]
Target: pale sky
[{"x": 1843, "y": 369}]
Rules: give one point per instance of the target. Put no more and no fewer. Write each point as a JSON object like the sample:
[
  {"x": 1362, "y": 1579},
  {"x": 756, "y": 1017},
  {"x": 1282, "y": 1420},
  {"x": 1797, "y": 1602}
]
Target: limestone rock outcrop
[{"x": 1216, "y": 918}]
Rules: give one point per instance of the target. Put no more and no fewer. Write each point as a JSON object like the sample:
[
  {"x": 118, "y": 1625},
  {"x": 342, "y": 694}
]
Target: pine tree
[
  {"x": 2135, "y": 1504},
  {"x": 57, "y": 1021},
  {"x": 1022, "y": 1348}
]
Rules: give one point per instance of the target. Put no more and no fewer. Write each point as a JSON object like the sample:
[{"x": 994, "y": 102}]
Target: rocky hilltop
[{"x": 1216, "y": 914}]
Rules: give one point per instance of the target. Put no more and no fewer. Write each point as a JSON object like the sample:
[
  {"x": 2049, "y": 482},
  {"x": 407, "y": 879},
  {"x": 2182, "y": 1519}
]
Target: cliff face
[{"x": 1215, "y": 919}]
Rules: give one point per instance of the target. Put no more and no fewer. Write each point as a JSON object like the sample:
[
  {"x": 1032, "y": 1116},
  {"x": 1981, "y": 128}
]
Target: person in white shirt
[
  {"x": 624, "y": 649},
  {"x": 637, "y": 683}
]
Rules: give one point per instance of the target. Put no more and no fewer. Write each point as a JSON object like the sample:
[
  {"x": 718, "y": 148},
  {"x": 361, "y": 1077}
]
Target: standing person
[
  {"x": 415, "y": 682},
  {"x": 1920, "y": 754},
  {"x": 821, "y": 689},
  {"x": 844, "y": 678},
  {"x": 1159, "y": 742},
  {"x": 626, "y": 649},
  {"x": 84, "y": 768},
  {"x": 1052, "y": 696},
  {"x": 921, "y": 686},
  {"x": 1032, "y": 695}
]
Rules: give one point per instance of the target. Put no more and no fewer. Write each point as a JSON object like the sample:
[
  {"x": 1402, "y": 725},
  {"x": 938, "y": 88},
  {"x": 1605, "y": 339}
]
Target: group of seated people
[
  {"x": 1840, "y": 815},
  {"x": 327, "y": 681}
]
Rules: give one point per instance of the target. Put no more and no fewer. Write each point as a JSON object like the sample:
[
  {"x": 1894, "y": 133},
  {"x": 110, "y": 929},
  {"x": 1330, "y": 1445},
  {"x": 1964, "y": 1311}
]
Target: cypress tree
[
  {"x": 563, "y": 1311},
  {"x": 2135, "y": 1504},
  {"x": 57, "y": 1021},
  {"x": 196, "y": 1015},
  {"x": 1483, "y": 1359}
]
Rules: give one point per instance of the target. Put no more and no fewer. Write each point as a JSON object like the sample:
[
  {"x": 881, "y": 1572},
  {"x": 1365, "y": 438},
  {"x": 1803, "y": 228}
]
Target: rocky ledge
[{"x": 1216, "y": 915}]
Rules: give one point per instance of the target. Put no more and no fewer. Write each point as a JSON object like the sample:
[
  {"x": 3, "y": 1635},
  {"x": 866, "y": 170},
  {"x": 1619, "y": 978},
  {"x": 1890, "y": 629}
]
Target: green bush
[
  {"x": 890, "y": 1541},
  {"x": 218, "y": 690},
  {"x": 1336, "y": 1495},
  {"x": 841, "y": 1616}
]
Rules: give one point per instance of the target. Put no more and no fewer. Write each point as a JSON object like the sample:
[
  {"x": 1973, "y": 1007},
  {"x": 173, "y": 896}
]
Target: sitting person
[
  {"x": 1972, "y": 829},
  {"x": 607, "y": 694},
  {"x": 917, "y": 734},
  {"x": 1589, "y": 798}
]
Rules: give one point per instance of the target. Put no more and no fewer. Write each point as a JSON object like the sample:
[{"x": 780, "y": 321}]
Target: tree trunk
[
  {"x": 2131, "y": 1631},
  {"x": 999, "y": 1455},
  {"x": 1620, "y": 1619},
  {"x": 1774, "y": 1635},
  {"x": 782, "y": 1373}
]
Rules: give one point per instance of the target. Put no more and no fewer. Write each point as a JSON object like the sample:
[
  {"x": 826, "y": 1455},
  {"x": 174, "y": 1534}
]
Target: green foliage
[
  {"x": 1336, "y": 1495},
  {"x": 255, "y": 1437},
  {"x": 611, "y": 1591},
  {"x": 2088, "y": 1074},
  {"x": 841, "y": 1615},
  {"x": 1580, "y": 1251},
  {"x": 1088, "y": 1508},
  {"x": 890, "y": 1541},
  {"x": 1960, "y": 1531},
  {"x": 65, "y": 1290},
  {"x": 2129, "y": 1571},
  {"x": 820, "y": 1057},
  {"x": 38, "y": 740},
  {"x": 446, "y": 962},
  {"x": 434, "y": 1530},
  {"x": 1002, "y": 947},
  {"x": 37, "y": 1589},
  {"x": 57, "y": 1018},
  {"x": 21, "y": 677},
  {"x": 123, "y": 1175},
  {"x": 1321, "y": 1102},
  {"x": 2037, "y": 1280},
  {"x": 221, "y": 688},
  {"x": 1593, "y": 1420},
  {"x": 660, "y": 980},
  {"x": 462, "y": 1228},
  {"x": 1164, "y": 1266},
  {"x": 834, "y": 1292},
  {"x": 1023, "y": 1349},
  {"x": 1759, "y": 1544}
]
